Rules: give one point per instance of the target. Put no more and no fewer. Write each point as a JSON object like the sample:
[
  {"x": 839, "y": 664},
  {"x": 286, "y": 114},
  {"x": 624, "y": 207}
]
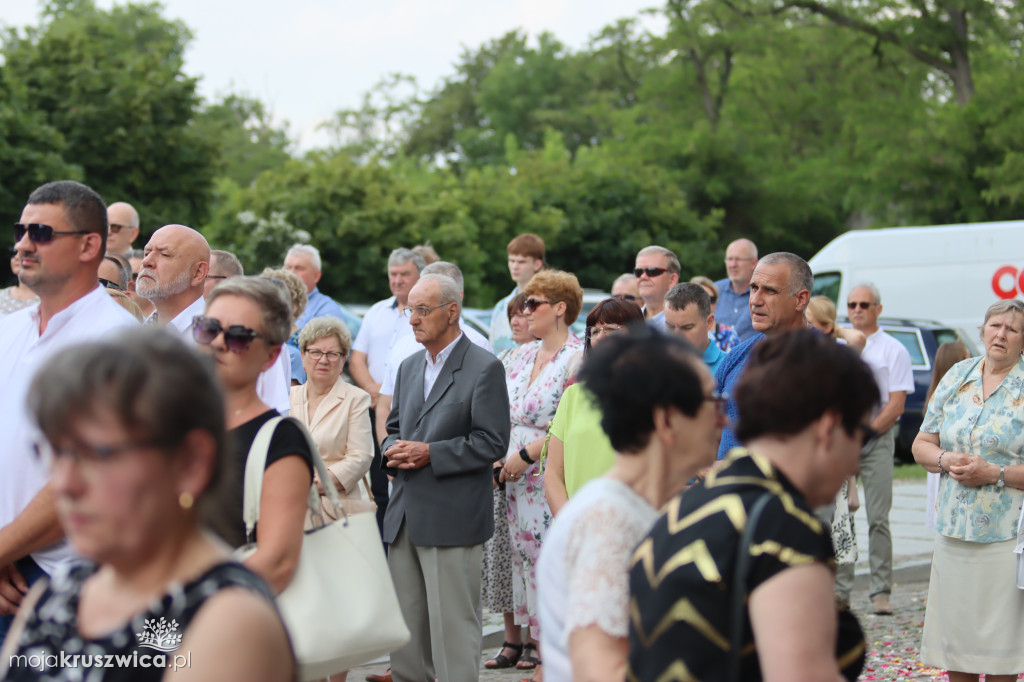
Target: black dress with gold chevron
[{"x": 682, "y": 573}]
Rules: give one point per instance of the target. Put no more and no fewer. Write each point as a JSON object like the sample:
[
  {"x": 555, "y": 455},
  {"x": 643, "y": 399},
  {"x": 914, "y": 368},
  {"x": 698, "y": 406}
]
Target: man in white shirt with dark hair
[{"x": 60, "y": 241}]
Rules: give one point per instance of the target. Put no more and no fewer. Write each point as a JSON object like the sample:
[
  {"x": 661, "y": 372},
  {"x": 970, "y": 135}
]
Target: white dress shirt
[
  {"x": 383, "y": 326},
  {"x": 408, "y": 345},
  {"x": 434, "y": 367}
]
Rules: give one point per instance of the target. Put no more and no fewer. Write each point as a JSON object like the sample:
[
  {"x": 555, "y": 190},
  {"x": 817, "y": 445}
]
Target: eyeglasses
[
  {"x": 421, "y": 310},
  {"x": 331, "y": 355},
  {"x": 83, "y": 453},
  {"x": 870, "y": 436},
  {"x": 531, "y": 304},
  {"x": 650, "y": 272},
  {"x": 115, "y": 228},
  {"x": 721, "y": 400},
  {"x": 216, "y": 277},
  {"x": 626, "y": 297},
  {"x": 596, "y": 332},
  {"x": 39, "y": 233},
  {"x": 236, "y": 337},
  {"x": 14, "y": 251},
  {"x": 107, "y": 284},
  {"x": 737, "y": 260},
  {"x": 863, "y": 305}
]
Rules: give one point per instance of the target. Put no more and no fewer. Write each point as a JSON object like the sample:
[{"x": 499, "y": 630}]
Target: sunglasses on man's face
[
  {"x": 863, "y": 305},
  {"x": 650, "y": 272},
  {"x": 40, "y": 233},
  {"x": 107, "y": 284},
  {"x": 237, "y": 338}
]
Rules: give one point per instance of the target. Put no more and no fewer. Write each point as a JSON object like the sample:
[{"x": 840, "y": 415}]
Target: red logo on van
[{"x": 1016, "y": 282}]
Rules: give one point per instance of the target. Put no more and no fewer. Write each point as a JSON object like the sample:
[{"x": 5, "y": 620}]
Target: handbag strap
[
  {"x": 256, "y": 463},
  {"x": 736, "y": 604}
]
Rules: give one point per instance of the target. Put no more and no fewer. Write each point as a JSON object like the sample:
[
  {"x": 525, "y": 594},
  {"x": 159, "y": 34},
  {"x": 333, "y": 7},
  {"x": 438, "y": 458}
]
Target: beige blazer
[{"x": 341, "y": 431}]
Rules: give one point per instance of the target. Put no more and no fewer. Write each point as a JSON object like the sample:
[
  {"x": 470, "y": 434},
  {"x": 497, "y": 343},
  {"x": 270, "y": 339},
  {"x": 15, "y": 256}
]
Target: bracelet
[
  {"x": 525, "y": 455},
  {"x": 941, "y": 470}
]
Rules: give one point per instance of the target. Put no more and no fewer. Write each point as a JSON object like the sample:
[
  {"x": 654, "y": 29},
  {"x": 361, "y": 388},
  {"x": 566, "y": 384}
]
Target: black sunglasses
[
  {"x": 107, "y": 284},
  {"x": 532, "y": 304},
  {"x": 626, "y": 297},
  {"x": 236, "y": 337},
  {"x": 864, "y": 305},
  {"x": 650, "y": 272},
  {"x": 39, "y": 233}
]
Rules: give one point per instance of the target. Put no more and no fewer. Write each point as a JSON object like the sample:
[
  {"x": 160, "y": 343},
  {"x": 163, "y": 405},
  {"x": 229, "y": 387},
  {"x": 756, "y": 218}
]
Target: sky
[{"x": 306, "y": 59}]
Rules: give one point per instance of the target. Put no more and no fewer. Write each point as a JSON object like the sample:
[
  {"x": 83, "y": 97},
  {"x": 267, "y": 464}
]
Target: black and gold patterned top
[{"x": 682, "y": 573}]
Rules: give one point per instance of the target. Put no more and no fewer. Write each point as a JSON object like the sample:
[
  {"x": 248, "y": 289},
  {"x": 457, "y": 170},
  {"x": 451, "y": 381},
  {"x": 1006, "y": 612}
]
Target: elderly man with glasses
[
  {"x": 123, "y": 227},
  {"x": 733, "y": 309}
]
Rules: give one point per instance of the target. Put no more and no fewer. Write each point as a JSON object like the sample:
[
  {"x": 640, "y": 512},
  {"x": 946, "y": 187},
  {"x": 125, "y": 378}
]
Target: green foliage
[
  {"x": 242, "y": 131},
  {"x": 111, "y": 83}
]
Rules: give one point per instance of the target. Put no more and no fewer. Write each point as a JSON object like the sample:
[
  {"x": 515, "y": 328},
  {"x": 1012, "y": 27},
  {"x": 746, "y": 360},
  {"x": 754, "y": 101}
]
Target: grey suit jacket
[{"x": 465, "y": 419}]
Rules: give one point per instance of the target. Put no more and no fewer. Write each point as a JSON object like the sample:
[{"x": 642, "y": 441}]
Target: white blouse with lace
[{"x": 583, "y": 573}]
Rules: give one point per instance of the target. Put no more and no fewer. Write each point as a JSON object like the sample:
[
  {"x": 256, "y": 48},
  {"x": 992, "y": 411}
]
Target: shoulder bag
[{"x": 340, "y": 608}]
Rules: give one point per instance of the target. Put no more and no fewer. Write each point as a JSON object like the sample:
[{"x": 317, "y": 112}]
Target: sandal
[
  {"x": 528, "y": 661},
  {"x": 503, "y": 661}
]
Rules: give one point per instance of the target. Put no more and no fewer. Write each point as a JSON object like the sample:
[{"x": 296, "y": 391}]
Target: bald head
[
  {"x": 124, "y": 227},
  {"x": 740, "y": 261},
  {"x": 174, "y": 269}
]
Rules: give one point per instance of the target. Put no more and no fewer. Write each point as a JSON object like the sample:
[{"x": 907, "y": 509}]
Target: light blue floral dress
[{"x": 991, "y": 428}]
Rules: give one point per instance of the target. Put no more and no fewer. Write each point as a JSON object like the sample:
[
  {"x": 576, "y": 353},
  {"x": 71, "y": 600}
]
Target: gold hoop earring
[{"x": 185, "y": 500}]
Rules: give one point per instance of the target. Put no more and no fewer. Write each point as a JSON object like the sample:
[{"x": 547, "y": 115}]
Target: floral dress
[{"x": 532, "y": 407}]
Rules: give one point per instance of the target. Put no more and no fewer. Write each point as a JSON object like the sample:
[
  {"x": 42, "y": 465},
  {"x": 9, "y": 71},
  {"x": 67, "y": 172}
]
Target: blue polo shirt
[
  {"x": 713, "y": 356},
  {"x": 733, "y": 310}
]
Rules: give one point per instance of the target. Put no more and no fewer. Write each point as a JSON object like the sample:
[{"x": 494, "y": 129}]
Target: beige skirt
[{"x": 974, "y": 621}]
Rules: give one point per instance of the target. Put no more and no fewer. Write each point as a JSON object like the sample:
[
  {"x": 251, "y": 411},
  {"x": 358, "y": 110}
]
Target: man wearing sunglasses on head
[
  {"x": 60, "y": 240},
  {"x": 656, "y": 271},
  {"x": 890, "y": 362}
]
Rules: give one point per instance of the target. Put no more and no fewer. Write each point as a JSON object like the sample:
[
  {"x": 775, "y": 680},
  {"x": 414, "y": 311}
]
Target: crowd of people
[{"x": 667, "y": 497}]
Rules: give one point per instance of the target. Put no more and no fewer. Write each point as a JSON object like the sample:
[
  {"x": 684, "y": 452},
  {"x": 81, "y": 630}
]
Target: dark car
[{"x": 921, "y": 338}]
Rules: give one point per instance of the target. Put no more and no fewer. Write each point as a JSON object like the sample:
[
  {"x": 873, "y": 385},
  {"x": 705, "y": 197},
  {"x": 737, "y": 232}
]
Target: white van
[{"x": 949, "y": 274}]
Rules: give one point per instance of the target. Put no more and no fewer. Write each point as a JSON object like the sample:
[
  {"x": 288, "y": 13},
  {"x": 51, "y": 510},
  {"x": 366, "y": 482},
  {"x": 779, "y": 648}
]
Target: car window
[
  {"x": 911, "y": 340},
  {"x": 827, "y": 284}
]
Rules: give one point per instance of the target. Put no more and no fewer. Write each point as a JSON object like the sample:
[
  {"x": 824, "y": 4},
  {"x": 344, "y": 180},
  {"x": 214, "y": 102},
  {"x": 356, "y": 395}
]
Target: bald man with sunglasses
[{"x": 60, "y": 241}]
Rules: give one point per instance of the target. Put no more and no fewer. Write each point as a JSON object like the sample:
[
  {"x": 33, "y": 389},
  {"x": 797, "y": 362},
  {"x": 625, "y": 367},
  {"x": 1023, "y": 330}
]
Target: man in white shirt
[
  {"x": 891, "y": 365},
  {"x": 409, "y": 345},
  {"x": 172, "y": 277},
  {"x": 61, "y": 239},
  {"x": 526, "y": 253}
]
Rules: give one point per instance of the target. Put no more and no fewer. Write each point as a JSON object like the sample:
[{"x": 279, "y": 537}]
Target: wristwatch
[{"x": 1001, "y": 483}]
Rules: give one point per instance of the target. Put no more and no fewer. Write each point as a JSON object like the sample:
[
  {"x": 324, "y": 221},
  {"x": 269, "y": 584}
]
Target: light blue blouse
[{"x": 992, "y": 429}]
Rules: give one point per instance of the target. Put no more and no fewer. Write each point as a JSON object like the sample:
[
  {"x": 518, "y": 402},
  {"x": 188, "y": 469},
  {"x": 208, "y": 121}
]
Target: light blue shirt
[
  {"x": 501, "y": 331},
  {"x": 317, "y": 305},
  {"x": 713, "y": 356},
  {"x": 733, "y": 310}
]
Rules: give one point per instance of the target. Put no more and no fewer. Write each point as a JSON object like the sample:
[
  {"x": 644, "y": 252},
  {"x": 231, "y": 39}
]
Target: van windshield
[{"x": 827, "y": 284}]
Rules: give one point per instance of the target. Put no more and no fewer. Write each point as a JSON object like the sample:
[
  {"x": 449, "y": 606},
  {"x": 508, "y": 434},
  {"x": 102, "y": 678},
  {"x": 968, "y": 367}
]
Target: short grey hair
[
  {"x": 1011, "y": 305},
  {"x": 227, "y": 263},
  {"x": 672, "y": 261},
  {"x": 269, "y": 296},
  {"x": 443, "y": 267},
  {"x": 800, "y": 275},
  {"x": 324, "y": 327},
  {"x": 683, "y": 294},
  {"x": 875, "y": 293},
  {"x": 124, "y": 268},
  {"x": 402, "y": 255},
  {"x": 310, "y": 252},
  {"x": 449, "y": 290}
]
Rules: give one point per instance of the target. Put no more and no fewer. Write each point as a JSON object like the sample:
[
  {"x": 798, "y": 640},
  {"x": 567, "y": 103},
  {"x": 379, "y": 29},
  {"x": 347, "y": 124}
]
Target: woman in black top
[
  {"x": 804, "y": 403},
  {"x": 247, "y": 320},
  {"x": 133, "y": 430}
]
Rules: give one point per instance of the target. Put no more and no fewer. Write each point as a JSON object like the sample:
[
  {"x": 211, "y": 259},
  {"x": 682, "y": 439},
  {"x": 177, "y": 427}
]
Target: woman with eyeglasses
[
  {"x": 133, "y": 430},
  {"x": 578, "y": 448},
  {"x": 662, "y": 435},
  {"x": 725, "y": 336},
  {"x": 537, "y": 374},
  {"x": 246, "y": 322},
  {"x": 738, "y": 571},
  {"x": 973, "y": 437},
  {"x": 17, "y": 296},
  {"x": 336, "y": 413}
]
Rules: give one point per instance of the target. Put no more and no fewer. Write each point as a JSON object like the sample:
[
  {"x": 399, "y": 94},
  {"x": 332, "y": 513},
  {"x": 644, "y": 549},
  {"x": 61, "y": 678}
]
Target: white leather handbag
[{"x": 340, "y": 608}]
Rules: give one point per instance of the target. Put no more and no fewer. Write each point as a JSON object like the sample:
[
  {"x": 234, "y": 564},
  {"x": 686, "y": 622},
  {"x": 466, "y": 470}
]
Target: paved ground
[{"x": 893, "y": 640}]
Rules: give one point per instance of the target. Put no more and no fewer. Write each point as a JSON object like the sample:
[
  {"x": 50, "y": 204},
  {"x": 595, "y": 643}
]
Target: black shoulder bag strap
[{"x": 737, "y": 604}]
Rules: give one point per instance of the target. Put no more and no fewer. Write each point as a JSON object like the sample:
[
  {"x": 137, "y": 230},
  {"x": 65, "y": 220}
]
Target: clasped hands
[
  {"x": 408, "y": 454},
  {"x": 13, "y": 589},
  {"x": 969, "y": 470}
]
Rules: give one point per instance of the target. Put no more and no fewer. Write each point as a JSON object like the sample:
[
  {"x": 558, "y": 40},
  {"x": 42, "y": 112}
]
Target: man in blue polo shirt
[
  {"x": 688, "y": 314},
  {"x": 733, "y": 308}
]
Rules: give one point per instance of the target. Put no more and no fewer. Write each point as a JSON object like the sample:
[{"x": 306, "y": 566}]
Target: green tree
[
  {"x": 111, "y": 83},
  {"x": 242, "y": 130}
]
